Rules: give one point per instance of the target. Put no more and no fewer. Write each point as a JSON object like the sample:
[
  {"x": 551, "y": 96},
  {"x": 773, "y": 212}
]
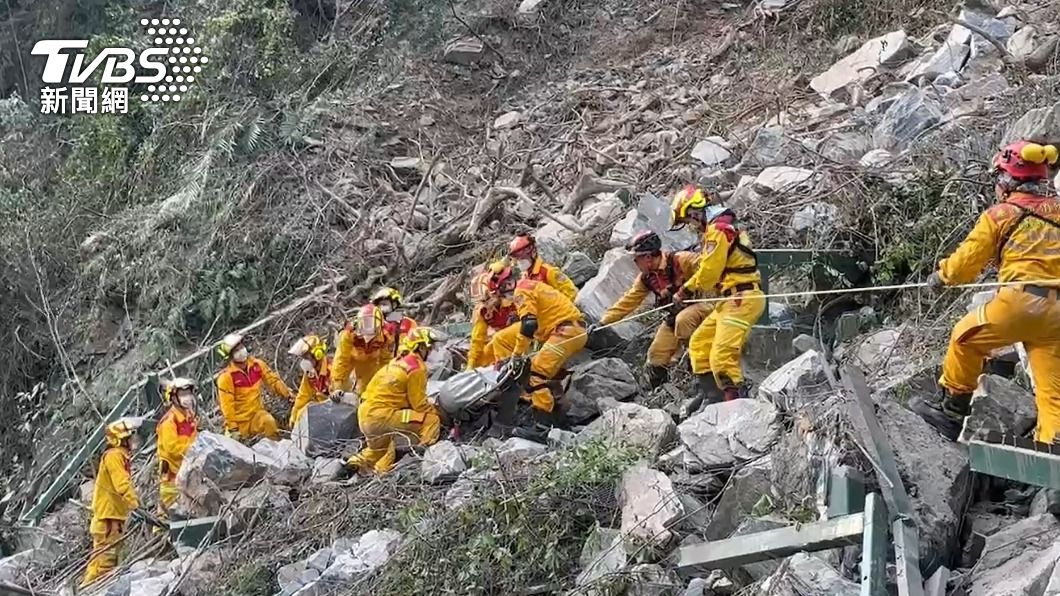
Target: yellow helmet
[
  {"x": 121, "y": 429},
  {"x": 421, "y": 337},
  {"x": 172, "y": 387},
  {"x": 310, "y": 344},
  {"x": 228, "y": 345},
  {"x": 689, "y": 197},
  {"x": 386, "y": 293}
]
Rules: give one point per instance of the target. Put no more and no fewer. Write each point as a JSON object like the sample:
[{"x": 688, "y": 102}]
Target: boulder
[
  {"x": 347, "y": 562},
  {"x": 515, "y": 450},
  {"x": 470, "y": 484},
  {"x": 579, "y": 268},
  {"x": 886, "y": 51},
  {"x": 804, "y": 378},
  {"x": 873, "y": 352},
  {"x": 1019, "y": 560},
  {"x": 598, "y": 379},
  {"x": 697, "y": 586},
  {"x": 375, "y": 547},
  {"x": 138, "y": 572},
  {"x": 650, "y": 506},
  {"x": 807, "y": 575},
  {"x": 326, "y": 429},
  {"x": 746, "y": 488},
  {"x": 1041, "y": 125},
  {"x": 936, "y": 476},
  {"x": 1023, "y": 43},
  {"x": 326, "y": 470},
  {"x": 529, "y": 7},
  {"x": 769, "y": 346},
  {"x": 552, "y": 249},
  {"x": 252, "y": 502},
  {"x": 652, "y": 213},
  {"x": 443, "y": 461},
  {"x": 819, "y": 216},
  {"x": 949, "y": 58},
  {"x": 559, "y": 438},
  {"x": 999, "y": 29},
  {"x": 152, "y": 586},
  {"x": 845, "y": 147},
  {"x": 617, "y": 273},
  {"x": 508, "y": 120},
  {"x": 16, "y": 568},
  {"x": 632, "y": 426},
  {"x": 911, "y": 115},
  {"x": 804, "y": 343},
  {"x": 603, "y": 556},
  {"x": 725, "y": 434},
  {"x": 712, "y": 151},
  {"x": 1001, "y": 405},
  {"x": 782, "y": 179},
  {"x": 466, "y": 51},
  {"x": 200, "y": 570},
  {"x": 212, "y": 464},
  {"x": 770, "y": 147},
  {"x": 287, "y": 464},
  {"x": 290, "y": 577}
]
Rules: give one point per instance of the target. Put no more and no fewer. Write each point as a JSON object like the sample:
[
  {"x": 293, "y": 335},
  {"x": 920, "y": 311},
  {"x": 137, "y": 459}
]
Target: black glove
[
  {"x": 935, "y": 283},
  {"x": 671, "y": 317},
  {"x": 589, "y": 329}
]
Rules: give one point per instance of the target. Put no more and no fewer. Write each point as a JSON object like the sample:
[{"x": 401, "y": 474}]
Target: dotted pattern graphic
[{"x": 184, "y": 63}]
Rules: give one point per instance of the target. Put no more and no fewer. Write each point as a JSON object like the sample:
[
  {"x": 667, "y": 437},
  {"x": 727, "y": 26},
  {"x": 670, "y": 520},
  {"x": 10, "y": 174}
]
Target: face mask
[
  {"x": 134, "y": 443},
  {"x": 386, "y": 307},
  {"x": 240, "y": 355},
  {"x": 307, "y": 366},
  {"x": 524, "y": 264},
  {"x": 394, "y": 317},
  {"x": 186, "y": 401}
]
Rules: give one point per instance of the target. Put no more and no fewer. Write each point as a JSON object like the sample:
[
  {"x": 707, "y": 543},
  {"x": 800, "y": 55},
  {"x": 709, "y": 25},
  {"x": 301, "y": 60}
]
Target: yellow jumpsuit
[
  {"x": 715, "y": 346},
  {"x": 362, "y": 360},
  {"x": 176, "y": 432},
  {"x": 239, "y": 395},
  {"x": 667, "y": 339},
  {"x": 113, "y": 499},
  {"x": 486, "y": 323},
  {"x": 1031, "y": 254},
  {"x": 395, "y": 401},
  {"x": 560, "y": 329},
  {"x": 553, "y": 276},
  {"x": 312, "y": 390}
]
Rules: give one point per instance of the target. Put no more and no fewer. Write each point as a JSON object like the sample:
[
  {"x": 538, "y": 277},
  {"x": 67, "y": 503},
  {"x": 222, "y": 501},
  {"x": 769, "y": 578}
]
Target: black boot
[
  {"x": 732, "y": 391},
  {"x": 945, "y": 412},
  {"x": 503, "y": 423},
  {"x": 657, "y": 375},
  {"x": 704, "y": 391}
]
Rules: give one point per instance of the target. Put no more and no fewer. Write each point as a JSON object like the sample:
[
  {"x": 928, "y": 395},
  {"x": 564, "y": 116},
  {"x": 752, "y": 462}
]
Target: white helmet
[{"x": 229, "y": 344}]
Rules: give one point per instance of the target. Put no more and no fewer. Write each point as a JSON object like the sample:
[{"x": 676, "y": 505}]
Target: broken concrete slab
[
  {"x": 747, "y": 487},
  {"x": 885, "y": 51},
  {"x": 617, "y": 273},
  {"x": 804, "y": 378},
  {"x": 725, "y": 434},
  {"x": 1018, "y": 560},
  {"x": 910, "y": 116},
  {"x": 598, "y": 379},
  {"x": 1001, "y": 405},
  {"x": 712, "y": 151},
  {"x": 650, "y": 506},
  {"x": 782, "y": 179},
  {"x": 633, "y": 426},
  {"x": 326, "y": 429}
]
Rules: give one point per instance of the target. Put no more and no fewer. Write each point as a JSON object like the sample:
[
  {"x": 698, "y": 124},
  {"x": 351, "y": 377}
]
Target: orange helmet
[
  {"x": 368, "y": 323},
  {"x": 521, "y": 243},
  {"x": 1025, "y": 161},
  {"x": 501, "y": 278},
  {"x": 689, "y": 197}
]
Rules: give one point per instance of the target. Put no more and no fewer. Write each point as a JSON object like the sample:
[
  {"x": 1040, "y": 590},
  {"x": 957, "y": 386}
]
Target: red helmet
[
  {"x": 521, "y": 243},
  {"x": 1025, "y": 161},
  {"x": 502, "y": 278}
]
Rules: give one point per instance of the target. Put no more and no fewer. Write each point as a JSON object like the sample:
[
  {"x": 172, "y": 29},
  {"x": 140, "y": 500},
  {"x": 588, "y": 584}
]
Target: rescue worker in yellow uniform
[
  {"x": 176, "y": 431},
  {"x": 364, "y": 348},
  {"x": 728, "y": 268},
  {"x": 114, "y": 497},
  {"x": 492, "y": 315},
  {"x": 396, "y": 402},
  {"x": 396, "y": 324},
  {"x": 550, "y": 317},
  {"x": 662, "y": 273},
  {"x": 1021, "y": 235},
  {"x": 315, "y": 387},
  {"x": 239, "y": 392},
  {"x": 523, "y": 251}
]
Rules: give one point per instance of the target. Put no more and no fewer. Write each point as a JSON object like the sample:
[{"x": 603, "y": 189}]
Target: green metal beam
[
  {"x": 772, "y": 544},
  {"x": 846, "y": 491},
  {"x": 1015, "y": 463},
  {"x": 195, "y": 532},
  {"x": 874, "y": 548}
]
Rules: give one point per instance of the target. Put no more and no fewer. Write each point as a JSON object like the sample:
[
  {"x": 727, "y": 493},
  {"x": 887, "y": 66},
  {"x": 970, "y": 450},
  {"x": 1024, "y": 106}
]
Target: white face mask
[
  {"x": 186, "y": 401},
  {"x": 240, "y": 355},
  {"x": 524, "y": 265},
  {"x": 386, "y": 306},
  {"x": 134, "y": 442},
  {"x": 394, "y": 317},
  {"x": 307, "y": 366}
]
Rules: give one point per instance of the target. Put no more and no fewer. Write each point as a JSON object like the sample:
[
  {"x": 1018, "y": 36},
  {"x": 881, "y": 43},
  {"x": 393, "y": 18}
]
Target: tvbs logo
[{"x": 168, "y": 68}]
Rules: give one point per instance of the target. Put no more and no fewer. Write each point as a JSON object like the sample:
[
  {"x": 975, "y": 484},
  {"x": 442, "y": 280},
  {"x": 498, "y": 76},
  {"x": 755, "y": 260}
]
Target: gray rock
[
  {"x": 443, "y": 461},
  {"x": 913, "y": 114},
  {"x": 552, "y": 250},
  {"x": 999, "y": 29},
  {"x": 725, "y": 434},
  {"x": 876, "y": 159},
  {"x": 936, "y": 476},
  {"x": 948, "y": 58},
  {"x": 326, "y": 470},
  {"x": 15, "y": 569},
  {"x": 530, "y": 7},
  {"x": 598, "y": 379},
  {"x": 712, "y": 151},
  {"x": 770, "y": 147},
  {"x": 559, "y": 438},
  {"x": 769, "y": 346},
  {"x": 152, "y": 586},
  {"x": 1023, "y": 43},
  {"x": 467, "y": 487},
  {"x": 845, "y": 147},
  {"x": 633, "y": 426},
  {"x": 466, "y": 51},
  {"x": 697, "y": 513},
  {"x": 846, "y": 44},
  {"x": 652, "y": 213},
  {"x": 817, "y": 216},
  {"x": 253, "y": 502},
  {"x": 289, "y": 577},
  {"x": 579, "y": 268},
  {"x": 1045, "y": 501},
  {"x": 287, "y": 464},
  {"x": 802, "y": 379},
  {"x": 753, "y": 525},
  {"x": 603, "y": 555},
  {"x": 215, "y": 463},
  {"x": 875, "y": 351},
  {"x": 948, "y": 79},
  {"x": 516, "y": 450},
  {"x": 804, "y": 343},
  {"x": 650, "y": 506},
  {"x": 651, "y": 580},
  {"x": 508, "y": 120},
  {"x": 1001, "y": 405},
  {"x": 617, "y": 273},
  {"x": 1019, "y": 560},
  {"x": 807, "y": 575},
  {"x": 1041, "y": 125},
  {"x": 376, "y": 546},
  {"x": 747, "y": 487},
  {"x": 326, "y": 429},
  {"x": 887, "y": 51},
  {"x": 782, "y": 179}
]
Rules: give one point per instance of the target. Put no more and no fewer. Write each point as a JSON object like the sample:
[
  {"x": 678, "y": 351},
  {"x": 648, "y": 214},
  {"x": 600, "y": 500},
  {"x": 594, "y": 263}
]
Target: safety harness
[
  {"x": 736, "y": 244},
  {"x": 1006, "y": 237},
  {"x": 673, "y": 272}
]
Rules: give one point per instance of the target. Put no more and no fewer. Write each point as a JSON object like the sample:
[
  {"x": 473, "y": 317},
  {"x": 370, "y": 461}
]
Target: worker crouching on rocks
[
  {"x": 114, "y": 497},
  {"x": 395, "y": 401},
  {"x": 523, "y": 252},
  {"x": 492, "y": 315},
  {"x": 396, "y": 324},
  {"x": 315, "y": 387},
  {"x": 176, "y": 431},
  {"x": 662, "y": 273},
  {"x": 1021, "y": 234},
  {"x": 729, "y": 268},
  {"x": 239, "y": 392},
  {"x": 364, "y": 347}
]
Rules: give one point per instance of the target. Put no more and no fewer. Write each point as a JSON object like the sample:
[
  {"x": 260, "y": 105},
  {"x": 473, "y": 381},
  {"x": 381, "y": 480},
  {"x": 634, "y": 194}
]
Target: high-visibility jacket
[
  {"x": 396, "y": 331},
  {"x": 352, "y": 350},
  {"x": 176, "y": 432},
  {"x": 553, "y": 276},
  {"x": 484, "y": 321},
  {"x": 726, "y": 259},
  {"x": 674, "y": 268},
  {"x": 551, "y": 308},
  {"x": 401, "y": 385},
  {"x": 1017, "y": 235},
  {"x": 312, "y": 389},
  {"x": 114, "y": 496},
  {"x": 239, "y": 389}
]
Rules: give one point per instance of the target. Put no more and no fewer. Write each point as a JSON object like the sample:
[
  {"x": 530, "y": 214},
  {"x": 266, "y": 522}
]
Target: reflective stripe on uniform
[
  {"x": 980, "y": 314},
  {"x": 736, "y": 323},
  {"x": 406, "y": 416}
]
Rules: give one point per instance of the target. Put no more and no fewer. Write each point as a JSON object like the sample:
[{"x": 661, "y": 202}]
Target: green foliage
[
  {"x": 251, "y": 580},
  {"x": 252, "y": 40}
]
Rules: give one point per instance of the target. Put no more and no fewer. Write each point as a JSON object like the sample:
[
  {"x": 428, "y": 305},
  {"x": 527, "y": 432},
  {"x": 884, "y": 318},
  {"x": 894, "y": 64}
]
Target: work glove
[
  {"x": 336, "y": 396},
  {"x": 679, "y": 298},
  {"x": 671, "y": 317},
  {"x": 935, "y": 283},
  {"x": 589, "y": 329}
]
